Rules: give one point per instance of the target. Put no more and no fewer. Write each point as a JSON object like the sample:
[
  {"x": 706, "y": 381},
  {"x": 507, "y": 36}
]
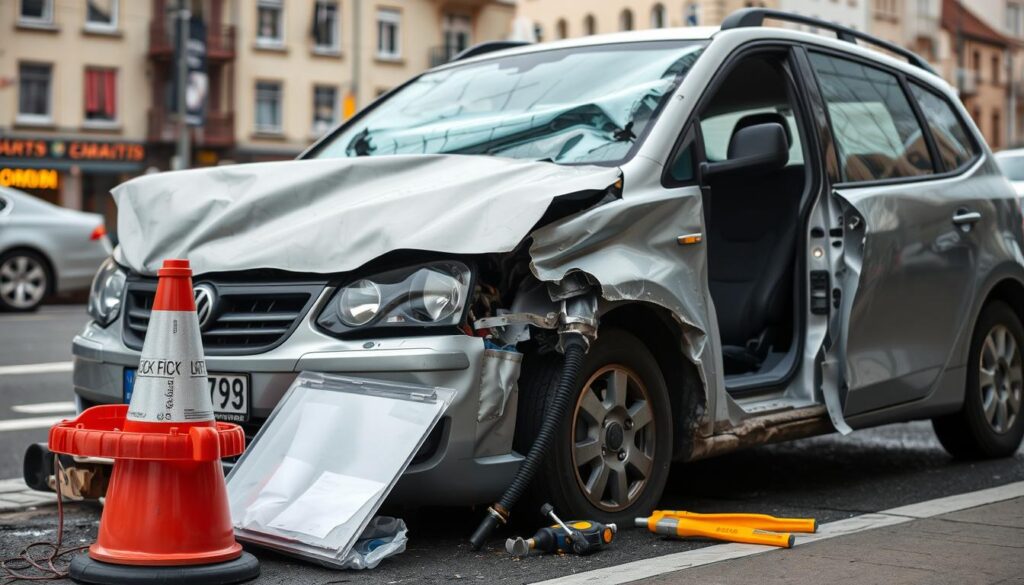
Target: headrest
[{"x": 762, "y": 118}]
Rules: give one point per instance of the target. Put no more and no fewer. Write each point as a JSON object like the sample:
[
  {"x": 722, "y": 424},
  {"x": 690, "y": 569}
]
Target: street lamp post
[{"x": 184, "y": 145}]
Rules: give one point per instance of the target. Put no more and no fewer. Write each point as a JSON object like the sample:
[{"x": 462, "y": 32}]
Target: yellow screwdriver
[
  {"x": 684, "y": 527},
  {"x": 757, "y": 521}
]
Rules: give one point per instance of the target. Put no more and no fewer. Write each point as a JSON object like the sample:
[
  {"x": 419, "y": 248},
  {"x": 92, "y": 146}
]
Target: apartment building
[
  {"x": 851, "y": 13},
  {"x": 73, "y": 93},
  {"x": 301, "y": 67},
  {"x": 976, "y": 63},
  {"x": 86, "y": 86},
  {"x": 559, "y": 19}
]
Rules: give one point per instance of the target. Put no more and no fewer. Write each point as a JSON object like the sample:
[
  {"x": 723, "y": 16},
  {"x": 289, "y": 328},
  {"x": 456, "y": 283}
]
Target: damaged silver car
[{"x": 620, "y": 252}]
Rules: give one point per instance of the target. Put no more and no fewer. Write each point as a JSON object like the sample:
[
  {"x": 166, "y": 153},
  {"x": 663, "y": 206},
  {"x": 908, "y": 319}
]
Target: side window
[
  {"x": 951, "y": 137},
  {"x": 682, "y": 169},
  {"x": 876, "y": 132}
]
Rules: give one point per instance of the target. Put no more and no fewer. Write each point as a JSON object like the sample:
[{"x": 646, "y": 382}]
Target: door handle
[{"x": 966, "y": 217}]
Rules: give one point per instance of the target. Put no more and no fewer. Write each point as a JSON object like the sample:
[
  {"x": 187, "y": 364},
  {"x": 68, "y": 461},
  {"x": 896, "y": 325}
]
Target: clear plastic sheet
[{"x": 326, "y": 459}]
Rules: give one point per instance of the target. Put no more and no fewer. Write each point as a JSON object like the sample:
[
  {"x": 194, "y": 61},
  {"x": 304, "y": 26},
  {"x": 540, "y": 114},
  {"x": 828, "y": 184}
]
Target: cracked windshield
[{"x": 580, "y": 105}]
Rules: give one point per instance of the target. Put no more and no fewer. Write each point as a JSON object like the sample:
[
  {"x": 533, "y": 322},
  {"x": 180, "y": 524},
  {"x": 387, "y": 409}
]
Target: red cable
[{"x": 45, "y": 568}]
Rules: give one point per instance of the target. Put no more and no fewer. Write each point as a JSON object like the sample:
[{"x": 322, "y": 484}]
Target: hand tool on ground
[
  {"x": 581, "y": 537},
  {"x": 684, "y": 527},
  {"x": 756, "y": 521}
]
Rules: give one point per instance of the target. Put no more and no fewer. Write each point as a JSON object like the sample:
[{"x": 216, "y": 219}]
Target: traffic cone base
[
  {"x": 85, "y": 569},
  {"x": 166, "y": 514}
]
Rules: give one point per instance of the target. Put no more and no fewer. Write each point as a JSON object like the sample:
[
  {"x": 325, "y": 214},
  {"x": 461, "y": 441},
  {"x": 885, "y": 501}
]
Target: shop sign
[
  {"x": 29, "y": 178},
  {"x": 71, "y": 150}
]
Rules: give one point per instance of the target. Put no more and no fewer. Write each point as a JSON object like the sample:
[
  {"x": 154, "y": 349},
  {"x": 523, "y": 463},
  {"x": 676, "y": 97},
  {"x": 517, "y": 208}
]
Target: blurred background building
[{"x": 87, "y": 87}]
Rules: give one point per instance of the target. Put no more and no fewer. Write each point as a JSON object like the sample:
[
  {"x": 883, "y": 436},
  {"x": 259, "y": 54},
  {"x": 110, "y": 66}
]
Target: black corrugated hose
[{"x": 575, "y": 348}]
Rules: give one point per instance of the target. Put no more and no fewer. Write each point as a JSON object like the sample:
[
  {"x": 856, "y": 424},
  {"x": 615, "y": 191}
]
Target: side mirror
[{"x": 755, "y": 149}]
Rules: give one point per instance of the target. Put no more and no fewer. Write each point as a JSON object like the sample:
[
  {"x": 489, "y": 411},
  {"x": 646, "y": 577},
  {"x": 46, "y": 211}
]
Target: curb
[{"x": 16, "y": 496}]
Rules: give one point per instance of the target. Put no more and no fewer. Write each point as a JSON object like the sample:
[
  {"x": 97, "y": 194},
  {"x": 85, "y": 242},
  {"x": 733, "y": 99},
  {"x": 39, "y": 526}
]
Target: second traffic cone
[{"x": 166, "y": 515}]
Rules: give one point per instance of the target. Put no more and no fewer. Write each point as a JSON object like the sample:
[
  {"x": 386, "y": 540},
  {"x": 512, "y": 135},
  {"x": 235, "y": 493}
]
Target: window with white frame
[
  {"x": 268, "y": 107},
  {"x": 325, "y": 108},
  {"x": 100, "y": 94},
  {"x": 325, "y": 26},
  {"x": 269, "y": 22},
  {"x": 389, "y": 23},
  {"x": 35, "y": 12},
  {"x": 1013, "y": 19},
  {"x": 457, "y": 29},
  {"x": 35, "y": 84},
  {"x": 101, "y": 15}
]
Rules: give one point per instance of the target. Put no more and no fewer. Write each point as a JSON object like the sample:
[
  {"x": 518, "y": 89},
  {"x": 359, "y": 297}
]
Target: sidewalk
[
  {"x": 16, "y": 496},
  {"x": 983, "y": 545}
]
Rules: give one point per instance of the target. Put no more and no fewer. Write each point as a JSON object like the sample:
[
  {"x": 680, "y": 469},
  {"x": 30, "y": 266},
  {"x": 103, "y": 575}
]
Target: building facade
[
  {"x": 546, "y": 20},
  {"x": 73, "y": 90},
  {"x": 87, "y": 88}
]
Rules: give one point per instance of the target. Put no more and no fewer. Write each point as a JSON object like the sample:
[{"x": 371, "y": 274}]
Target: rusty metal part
[{"x": 771, "y": 428}]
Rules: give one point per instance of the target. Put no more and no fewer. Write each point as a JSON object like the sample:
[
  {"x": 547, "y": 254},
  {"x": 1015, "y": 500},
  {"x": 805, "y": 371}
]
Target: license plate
[{"x": 228, "y": 392}]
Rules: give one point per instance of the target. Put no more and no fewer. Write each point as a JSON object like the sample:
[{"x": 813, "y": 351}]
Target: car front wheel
[
  {"x": 24, "y": 280},
  {"x": 990, "y": 423},
  {"x": 611, "y": 456}
]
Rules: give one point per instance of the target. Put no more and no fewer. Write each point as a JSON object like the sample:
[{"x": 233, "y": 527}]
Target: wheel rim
[
  {"x": 613, "y": 433},
  {"x": 22, "y": 281},
  {"x": 1000, "y": 379}
]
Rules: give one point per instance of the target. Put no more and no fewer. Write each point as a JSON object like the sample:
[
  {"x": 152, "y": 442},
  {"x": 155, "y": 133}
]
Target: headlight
[
  {"x": 433, "y": 294},
  {"x": 105, "y": 294}
]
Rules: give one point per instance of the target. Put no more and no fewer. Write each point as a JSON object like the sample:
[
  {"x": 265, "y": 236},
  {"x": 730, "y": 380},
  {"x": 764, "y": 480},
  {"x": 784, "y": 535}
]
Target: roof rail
[
  {"x": 753, "y": 17},
  {"x": 486, "y": 47}
]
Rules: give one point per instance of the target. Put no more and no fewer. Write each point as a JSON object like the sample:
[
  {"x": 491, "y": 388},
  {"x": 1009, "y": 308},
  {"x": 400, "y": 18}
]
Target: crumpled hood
[{"x": 334, "y": 215}]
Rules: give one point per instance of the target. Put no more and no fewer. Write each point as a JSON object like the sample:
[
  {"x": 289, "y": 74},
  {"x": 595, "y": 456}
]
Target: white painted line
[
  {"x": 670, "y": 563},
  {"x": 37, "y": 422},
  {"x": 47, "y": 368},
  {"x": 45, "y": 407}
]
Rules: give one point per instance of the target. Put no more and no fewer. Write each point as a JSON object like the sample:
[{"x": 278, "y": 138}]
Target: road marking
[
  {"x": 44, "y": 407},
  {"x": 36, "y": 422},
  {"x": 46, "y": 316},
  {"x": 671, "y": 563},
  {"x": 47, "y": 368}
]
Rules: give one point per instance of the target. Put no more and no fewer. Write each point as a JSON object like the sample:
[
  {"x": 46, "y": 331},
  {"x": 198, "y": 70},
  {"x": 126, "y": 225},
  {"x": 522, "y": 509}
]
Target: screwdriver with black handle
[{"x": 581, "y": 537}]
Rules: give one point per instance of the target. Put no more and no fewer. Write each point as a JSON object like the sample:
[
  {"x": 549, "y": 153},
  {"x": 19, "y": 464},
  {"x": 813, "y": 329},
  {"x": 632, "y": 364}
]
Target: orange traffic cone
[{"x": 166, "y": 516}]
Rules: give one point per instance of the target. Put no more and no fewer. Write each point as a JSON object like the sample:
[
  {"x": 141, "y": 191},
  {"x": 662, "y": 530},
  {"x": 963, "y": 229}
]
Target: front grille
[{"x": 245, "y": 318}]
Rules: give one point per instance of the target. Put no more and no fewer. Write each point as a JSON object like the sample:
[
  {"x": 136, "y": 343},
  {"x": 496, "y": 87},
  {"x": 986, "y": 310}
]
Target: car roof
[
  {"x": 707, "y": 33},
  {"x": 690, "y": 33}
]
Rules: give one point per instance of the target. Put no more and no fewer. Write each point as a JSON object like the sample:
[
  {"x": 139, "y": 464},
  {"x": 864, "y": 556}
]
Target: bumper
[{"x": 460, "y": 470}]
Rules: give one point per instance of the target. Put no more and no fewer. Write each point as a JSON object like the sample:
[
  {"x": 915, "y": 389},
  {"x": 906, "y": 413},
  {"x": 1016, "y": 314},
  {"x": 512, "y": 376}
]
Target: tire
[
  {"x": 976, "y": 432},
  {"x": 615, "y": 355},
  {"x": 25, "y": 280}
]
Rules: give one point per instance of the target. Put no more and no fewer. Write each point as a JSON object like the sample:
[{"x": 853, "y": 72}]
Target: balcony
[
  {"x": 966, "y": 82},
  {"x": 218, "y": 132},
  {"x": 220, "y": 41}
]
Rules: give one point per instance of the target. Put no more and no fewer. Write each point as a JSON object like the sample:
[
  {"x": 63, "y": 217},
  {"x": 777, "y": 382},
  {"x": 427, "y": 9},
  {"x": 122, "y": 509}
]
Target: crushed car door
[{"x": 905, "y": 238}]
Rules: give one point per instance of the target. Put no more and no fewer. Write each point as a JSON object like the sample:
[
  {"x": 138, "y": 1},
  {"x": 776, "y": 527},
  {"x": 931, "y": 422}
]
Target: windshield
[
  {"x": 578, "y": 105},
  {"x": 1012, "y": 166}
]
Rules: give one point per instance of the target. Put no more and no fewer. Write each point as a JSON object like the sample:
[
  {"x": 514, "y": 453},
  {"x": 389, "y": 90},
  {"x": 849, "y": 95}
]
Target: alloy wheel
[
  {"x": 23, "y": 282},
  {"x": 613, "y": 434},
  {"x": 1000, "y": 379}
]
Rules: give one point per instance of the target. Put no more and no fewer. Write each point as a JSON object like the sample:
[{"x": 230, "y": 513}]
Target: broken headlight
[{"x": 430, "y": 295}]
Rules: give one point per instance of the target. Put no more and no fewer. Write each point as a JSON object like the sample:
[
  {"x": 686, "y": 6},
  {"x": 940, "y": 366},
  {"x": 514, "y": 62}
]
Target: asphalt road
[{"x": 828, "y": 478}]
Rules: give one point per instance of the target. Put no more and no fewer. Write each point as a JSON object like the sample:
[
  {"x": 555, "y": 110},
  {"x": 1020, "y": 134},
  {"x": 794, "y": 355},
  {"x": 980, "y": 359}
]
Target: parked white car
[
  {"x": 1011, "y": 162},
  {"x": 45, "y": 249}
]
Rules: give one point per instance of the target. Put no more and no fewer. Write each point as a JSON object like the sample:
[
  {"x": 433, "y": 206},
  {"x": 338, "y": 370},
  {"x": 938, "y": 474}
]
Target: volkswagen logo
[{"x": 205, "y": 297}]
